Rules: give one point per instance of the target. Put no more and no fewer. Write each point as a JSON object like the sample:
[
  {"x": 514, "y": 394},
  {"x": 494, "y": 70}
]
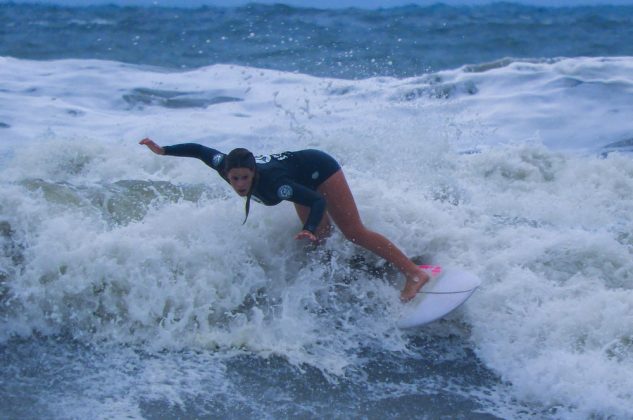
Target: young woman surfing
[{"x": 315, "y": 183}]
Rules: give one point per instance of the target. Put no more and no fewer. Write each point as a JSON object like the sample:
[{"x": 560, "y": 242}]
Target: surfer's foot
[{"x": 414, "y": 283}]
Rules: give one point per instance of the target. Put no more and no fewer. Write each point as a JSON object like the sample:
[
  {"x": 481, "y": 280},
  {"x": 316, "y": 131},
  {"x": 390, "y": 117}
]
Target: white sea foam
[{"x": 104, "y": 241}]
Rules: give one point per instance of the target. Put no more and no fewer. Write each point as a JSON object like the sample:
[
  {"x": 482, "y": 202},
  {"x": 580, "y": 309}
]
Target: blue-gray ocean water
[
  {"x": 349, "y": 43},
  {"x": 98, "y": 323}
]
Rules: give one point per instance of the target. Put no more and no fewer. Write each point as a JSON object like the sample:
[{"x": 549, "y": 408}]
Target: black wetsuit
[{"x": 292, "y": 176}]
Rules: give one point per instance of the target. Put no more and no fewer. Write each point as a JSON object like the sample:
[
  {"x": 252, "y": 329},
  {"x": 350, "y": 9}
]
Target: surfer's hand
[
  {"x": 304, "y": 234},
  {"x": 152, "y": 146}
]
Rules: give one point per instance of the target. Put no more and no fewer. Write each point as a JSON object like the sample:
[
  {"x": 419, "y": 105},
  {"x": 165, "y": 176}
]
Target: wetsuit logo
[
  {"x": 284, "y": 192},
  {"x": 281, "y": 156},
  {"x": 217, "y": 160},
  {"x": 277, "y": 156}
]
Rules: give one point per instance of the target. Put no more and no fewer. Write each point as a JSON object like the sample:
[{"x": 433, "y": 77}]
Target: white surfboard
[{"x": 445, "y": 292}]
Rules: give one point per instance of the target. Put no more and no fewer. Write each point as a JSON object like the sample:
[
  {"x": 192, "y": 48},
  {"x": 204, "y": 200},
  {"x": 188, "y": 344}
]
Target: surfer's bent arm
[{"x": 297, "y": 193}]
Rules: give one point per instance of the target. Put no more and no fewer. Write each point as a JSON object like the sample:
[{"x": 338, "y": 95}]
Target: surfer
[{"x": 314, "y": 182}]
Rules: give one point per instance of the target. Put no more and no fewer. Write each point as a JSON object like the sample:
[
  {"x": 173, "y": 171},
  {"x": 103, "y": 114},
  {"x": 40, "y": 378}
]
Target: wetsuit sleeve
[
  {"x": 211, "y": 157},
  {"x": 297, "y": 193}
]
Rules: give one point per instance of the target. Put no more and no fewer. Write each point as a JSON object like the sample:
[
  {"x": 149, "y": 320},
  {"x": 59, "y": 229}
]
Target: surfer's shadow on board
[{"x": 383, "y": 270}]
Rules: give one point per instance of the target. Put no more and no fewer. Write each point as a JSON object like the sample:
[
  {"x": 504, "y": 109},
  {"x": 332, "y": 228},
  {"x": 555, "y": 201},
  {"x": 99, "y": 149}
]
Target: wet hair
[{"x": 242, "y": 158}]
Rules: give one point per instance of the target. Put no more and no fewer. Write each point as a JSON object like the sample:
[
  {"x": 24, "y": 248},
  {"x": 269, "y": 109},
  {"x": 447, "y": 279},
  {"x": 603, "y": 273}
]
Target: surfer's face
[{"x": 241, "y": 180}]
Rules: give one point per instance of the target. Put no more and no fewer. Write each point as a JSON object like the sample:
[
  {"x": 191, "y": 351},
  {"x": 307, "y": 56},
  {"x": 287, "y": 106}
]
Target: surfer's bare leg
[{"x": 342, "y": 209}]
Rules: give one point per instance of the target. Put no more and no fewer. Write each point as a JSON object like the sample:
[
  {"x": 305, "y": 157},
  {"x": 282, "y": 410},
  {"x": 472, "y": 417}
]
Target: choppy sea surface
[{"x": 494, "y": 138}]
